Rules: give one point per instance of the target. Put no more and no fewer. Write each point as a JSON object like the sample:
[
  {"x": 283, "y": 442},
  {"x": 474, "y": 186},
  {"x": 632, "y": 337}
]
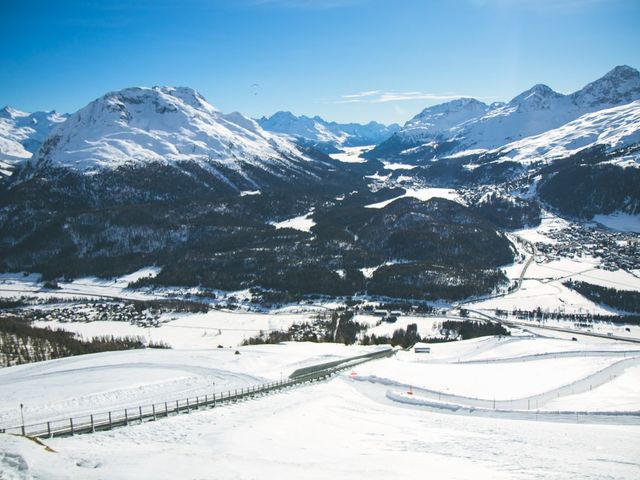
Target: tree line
[{"x": 22, "y": 343}]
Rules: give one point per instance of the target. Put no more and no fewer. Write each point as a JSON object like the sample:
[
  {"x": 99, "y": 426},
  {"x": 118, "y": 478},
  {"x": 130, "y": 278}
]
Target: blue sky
[{"x": 346, "y": 60}]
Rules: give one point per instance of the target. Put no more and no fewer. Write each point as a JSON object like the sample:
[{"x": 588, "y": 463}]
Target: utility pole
[{"x": 22, "y": 416}]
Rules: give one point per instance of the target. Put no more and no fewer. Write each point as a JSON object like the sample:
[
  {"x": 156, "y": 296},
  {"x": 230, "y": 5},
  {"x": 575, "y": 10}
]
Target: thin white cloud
[
  {"x": 378, "y": 96},
  {"x": 370, "y": 93}
]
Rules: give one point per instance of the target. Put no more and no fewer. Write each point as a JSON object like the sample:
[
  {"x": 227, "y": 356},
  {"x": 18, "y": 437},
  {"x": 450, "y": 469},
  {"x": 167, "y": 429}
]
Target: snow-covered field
[
  {"x": 397, "y": 166},
  {"x": 548, "y": 223},
  {"x": 193, "y": 330},
  {"x": 620, "y": 221},
  {"x": 422, "y": 194},
  {"x": 543, "y": 287},
  {"x": 510, "y": 373},
  {"x": 345, "y": 428},
  {"x": 351, "y": 154},
  {"x": 302, "y": 222},
  {"x": 18, "y": 284}
]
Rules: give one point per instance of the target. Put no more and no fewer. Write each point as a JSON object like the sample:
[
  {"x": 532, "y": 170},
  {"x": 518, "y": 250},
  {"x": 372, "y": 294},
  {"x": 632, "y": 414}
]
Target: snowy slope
[
  {"x": 319, "y": 131},
  {"x": 109, "y": 380},
  {"x": 613, "y": 127},
  {"x": 138, "y": 126},
  {"x": 21, "y": 134},
  {"x": 471, "y": 126},
  {"x": 331, "y": 430},
  {"x": 444, "y": 119},
  {"x": 342, "y": 428}
]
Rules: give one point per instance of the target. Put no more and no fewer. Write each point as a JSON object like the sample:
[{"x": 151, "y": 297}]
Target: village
[
  {"x": 618, "y": 250},
  {"x": 96, "y": 311}
]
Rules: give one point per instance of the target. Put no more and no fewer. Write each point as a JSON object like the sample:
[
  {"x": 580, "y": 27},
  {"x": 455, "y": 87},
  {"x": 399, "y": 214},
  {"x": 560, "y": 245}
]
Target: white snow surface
[
  {"x": 190, "y": 330},
  {"x": 112, "y": 380},
  {"x": 422, "y": 194},
  {"x": 397, "y": 166},
  {"x": 17, "y": 284},
  {"x": 343, "y": 428},
  {"x": 351, "y": 154},
  {"x": 624, "y": 222},
  {"x": 622, "y": 393},
  {"x": 302, "y": 222}
]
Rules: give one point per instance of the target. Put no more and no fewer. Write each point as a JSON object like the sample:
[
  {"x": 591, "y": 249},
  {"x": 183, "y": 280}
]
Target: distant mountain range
[
  {"x": 21, "y": 135},
  {"x": 328, "y": 137},
  {"x": 469, "y": 127}
]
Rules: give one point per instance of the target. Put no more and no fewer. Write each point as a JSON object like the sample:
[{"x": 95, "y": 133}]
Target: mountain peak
[
  {"x": 282, "y": 114},
  {"x": 537, "y": 96},
  {"x": 442, "y": 117},
  {"x": 618, "y": 86},
  {"x": 10, "y": 112},
  {"x": 164, "y": 98},
  {"x": 623, "y": 72}
]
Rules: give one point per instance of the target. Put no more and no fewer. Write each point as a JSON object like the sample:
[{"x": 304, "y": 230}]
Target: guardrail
[{"x": 96, "y": 422}]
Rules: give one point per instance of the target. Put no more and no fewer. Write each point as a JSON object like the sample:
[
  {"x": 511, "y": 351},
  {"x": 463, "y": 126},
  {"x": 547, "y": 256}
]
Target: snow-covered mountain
[
  {"x": 165, "y": 125},
  {"x": 21, "y": 134},
  {"x": 442, "y": 118},
  {"x": 613, "y": 128},
  {"x": 327, "y": 136},
  {"x": 467, "y": 126}
]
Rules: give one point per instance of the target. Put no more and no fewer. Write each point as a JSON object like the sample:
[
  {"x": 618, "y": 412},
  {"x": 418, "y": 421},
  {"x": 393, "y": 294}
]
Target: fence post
[
  {"x": 177, "y": 409},
  {"x": 93, "y": 428},
  {"x": 153, "y": 409},
  {"x": 197, "y": 402},
  {"x": 140, "y": 412},
  {"x": 126, "y": 417},
  {"x": 71, "y": 425},
  {"x": 110, "y": 425},
  {"x": 188, "y": 407},
  {"x": 166, "y": 409},
  {"x": 49, "y": 429}
]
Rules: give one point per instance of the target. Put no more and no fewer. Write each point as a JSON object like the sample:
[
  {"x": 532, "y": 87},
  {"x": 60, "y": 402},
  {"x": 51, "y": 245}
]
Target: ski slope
[
  {"x": 338, "y": 428},
  {"x": 106, "y": 381},
  {"x": 332, "y": 430}
]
